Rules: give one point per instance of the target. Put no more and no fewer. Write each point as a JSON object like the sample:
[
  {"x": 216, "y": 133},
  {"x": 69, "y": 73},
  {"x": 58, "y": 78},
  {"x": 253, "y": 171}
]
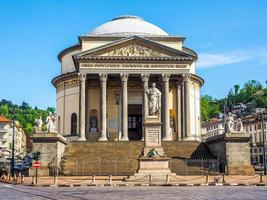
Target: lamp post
[
  {"x": 263, "y": 143},
  {"x": 13, "y": 149}
]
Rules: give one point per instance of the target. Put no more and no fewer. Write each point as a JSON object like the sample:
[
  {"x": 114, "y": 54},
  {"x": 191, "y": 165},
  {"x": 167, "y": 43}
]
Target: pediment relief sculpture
[{"x": 136, "y": 50}]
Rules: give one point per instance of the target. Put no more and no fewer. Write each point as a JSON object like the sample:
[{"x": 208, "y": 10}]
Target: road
[{"x": 13, "y": 192}]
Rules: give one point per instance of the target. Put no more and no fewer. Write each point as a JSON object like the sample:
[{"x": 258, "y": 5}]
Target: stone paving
[{"x": 13, "y": 192}]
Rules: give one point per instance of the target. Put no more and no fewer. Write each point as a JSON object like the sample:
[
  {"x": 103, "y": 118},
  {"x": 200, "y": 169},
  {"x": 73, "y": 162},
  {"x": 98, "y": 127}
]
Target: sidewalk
[{"x": 81, "y": 181}]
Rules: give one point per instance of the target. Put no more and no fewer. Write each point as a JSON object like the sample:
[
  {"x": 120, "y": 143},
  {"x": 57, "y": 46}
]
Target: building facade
[
  {"x": 255, "y": 126},
  {"x": 6, "y": 132},
  {"x": 212, "y": 128},
  {"x": 101, "y": 89}
]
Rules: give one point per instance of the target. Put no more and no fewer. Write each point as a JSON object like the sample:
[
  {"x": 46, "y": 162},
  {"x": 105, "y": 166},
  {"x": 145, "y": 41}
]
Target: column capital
[
  {"x": 145, "y": 77},
  {"x": 124, "y": 77},
  {"x": 82, "y": 76},
  {"x": 186, "y": 77},
  {"x": 165, "y": 77},
  {"x": 103, "y": 77}
]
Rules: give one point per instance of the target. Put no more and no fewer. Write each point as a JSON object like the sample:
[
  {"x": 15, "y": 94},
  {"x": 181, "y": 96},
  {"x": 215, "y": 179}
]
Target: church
[{"x": 101, "y": 89}]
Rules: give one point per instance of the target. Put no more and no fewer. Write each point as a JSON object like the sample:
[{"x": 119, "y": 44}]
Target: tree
[{"x": 4, "y": 110}]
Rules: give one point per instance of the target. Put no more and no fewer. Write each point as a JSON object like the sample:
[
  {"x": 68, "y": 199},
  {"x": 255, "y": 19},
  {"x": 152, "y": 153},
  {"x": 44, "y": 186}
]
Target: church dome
[{"x": 127, "y": 26}]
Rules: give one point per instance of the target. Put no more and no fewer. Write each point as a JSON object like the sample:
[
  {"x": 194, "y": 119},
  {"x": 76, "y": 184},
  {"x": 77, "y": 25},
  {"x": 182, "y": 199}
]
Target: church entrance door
[{"x": 135, "y": 122}]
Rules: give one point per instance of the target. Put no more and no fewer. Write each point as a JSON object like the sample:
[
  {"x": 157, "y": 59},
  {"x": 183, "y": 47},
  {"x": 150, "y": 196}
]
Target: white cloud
[{"x": 207, "y": 60}]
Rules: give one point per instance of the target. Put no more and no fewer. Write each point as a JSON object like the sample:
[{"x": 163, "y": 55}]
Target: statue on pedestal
[
  {"x": 232, "y": 124},
  {"x": 39, "y": 124},
  {"x": 50, "y": 123},
  {"x": 154, "y": 100},
  {"x": 229, "y": 123}
]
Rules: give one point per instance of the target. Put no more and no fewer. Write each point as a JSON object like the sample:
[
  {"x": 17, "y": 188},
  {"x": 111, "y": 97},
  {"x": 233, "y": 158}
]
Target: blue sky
[{"x": 230, "y": 38}]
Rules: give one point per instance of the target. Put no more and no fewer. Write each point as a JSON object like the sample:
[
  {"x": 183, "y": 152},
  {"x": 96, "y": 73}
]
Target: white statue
[
  {"x": 154, "y": 100},
  {"x": 39, "y": 123},
  {"x": 230, "y": 123},
  {"x": 239, "y": 125},
  {"x": 50, "y": 123}
]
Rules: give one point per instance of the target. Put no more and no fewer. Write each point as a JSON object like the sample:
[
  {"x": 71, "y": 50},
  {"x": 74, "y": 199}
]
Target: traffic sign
[{"x": 36, "y": 164}]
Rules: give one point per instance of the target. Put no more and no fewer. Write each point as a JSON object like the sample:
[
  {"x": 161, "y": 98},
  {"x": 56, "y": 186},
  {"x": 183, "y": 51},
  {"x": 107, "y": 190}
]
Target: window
[
  {"x": 73, "y": 124},
  {"x": 259, "y": 126},
  {"x": 250, "y": 128}
]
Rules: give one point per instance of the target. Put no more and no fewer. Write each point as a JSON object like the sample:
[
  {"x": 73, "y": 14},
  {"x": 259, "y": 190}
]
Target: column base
[
  {"x": 124, "y": 139},
  {"x": 167, "y": 139},
  {"x": 192, "y": 139},
  {"x": 102, "y": 139},
  {"x": 81, "y": 139}
]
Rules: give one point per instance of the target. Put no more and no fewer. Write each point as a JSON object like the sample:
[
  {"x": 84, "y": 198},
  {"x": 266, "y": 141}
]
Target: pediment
[
  {"x": 135, "y": 50},
  {"x": 133, "y": 47}
]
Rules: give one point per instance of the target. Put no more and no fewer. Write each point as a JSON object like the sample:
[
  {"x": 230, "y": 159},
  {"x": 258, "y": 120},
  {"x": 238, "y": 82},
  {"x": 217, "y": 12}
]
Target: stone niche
[
  {"x": 51, "y": 146},
  {"x": 233, "y": 151}
]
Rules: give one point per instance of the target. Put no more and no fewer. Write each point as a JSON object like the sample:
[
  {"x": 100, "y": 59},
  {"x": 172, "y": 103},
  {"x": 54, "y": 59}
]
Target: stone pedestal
[
  {"x": 51, "y": 146},
  {"x": 233, "y": 152},
  {"x": 152, "y": 168},
  {"x": 152, "y": 127}
]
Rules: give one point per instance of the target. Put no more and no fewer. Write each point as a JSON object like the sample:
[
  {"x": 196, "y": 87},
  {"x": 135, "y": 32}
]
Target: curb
[{"x": 141, "y": 184}]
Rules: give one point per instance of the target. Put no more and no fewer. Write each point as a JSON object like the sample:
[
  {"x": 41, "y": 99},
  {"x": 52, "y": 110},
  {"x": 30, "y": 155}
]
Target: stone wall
[{"x": 233, "y": 152}]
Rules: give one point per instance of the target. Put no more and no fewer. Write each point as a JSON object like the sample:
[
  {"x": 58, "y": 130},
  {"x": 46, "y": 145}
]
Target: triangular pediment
[
  {"x": 135, "y": 50},
  {"x": 133, "y": 47}
]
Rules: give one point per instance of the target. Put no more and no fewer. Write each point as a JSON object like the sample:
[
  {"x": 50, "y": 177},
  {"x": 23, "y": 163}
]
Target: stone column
[
  {"x": 179, "y": 108},
  {"x": 103, "y": 107},
  {"x": 187, "y": 128},
  {"x": 124, "y": 107},
  {"x": 144, "y": 78},
  {"x": 82, "y": 106},
  {"x": 166, "y": 112}
]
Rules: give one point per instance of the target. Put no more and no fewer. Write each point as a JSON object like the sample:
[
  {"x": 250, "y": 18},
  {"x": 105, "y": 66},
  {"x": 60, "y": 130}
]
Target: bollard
[
  {"x": 207, "y": 178},
  {"x": 32, "y": 180},
  {"x": 261, "y": 178},
  {"x": 167, "y": 178},
  {"x": 22, "y": 179},
  {"x": 93, "y": 179},
  {"x": 150, "y": 178},
  {"x": 110, "y": 179},
  {"x": 223, "y": 181}
]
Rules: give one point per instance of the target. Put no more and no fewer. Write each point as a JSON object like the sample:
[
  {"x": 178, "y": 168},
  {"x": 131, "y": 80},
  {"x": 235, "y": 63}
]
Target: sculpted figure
[
  {"x": 39, "y": 123},
  {"x": 239, "y": 125},
  {"x": 50, "y": 123},
  {"x": 154, "y": 100},
  {"x": 230, "y": 123}
]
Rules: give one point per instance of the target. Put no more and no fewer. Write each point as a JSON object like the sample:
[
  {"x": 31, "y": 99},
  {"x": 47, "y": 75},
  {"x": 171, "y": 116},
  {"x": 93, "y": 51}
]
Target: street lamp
[{"x": 13, "y": 148}]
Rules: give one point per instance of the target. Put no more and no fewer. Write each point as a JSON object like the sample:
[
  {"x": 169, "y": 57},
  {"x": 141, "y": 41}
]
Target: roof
[
  {"x": 3, "y": 119},
  {"x": 127, "y": 26}
]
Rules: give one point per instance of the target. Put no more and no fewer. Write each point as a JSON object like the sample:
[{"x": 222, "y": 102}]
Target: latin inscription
[{"x": 132, "y": 66}]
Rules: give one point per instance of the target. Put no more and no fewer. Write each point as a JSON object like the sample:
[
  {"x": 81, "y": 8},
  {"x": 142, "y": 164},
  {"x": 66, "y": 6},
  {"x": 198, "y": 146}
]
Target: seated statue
[{"x": 153, "y": 153}]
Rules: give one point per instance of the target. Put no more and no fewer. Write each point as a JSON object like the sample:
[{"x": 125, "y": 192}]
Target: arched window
[{"x": 73, "y": 124}]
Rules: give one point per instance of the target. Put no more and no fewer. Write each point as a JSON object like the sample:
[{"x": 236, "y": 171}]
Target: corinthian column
[
  {"x": 124, "y": 104},
  {"x": 82, "y": 107},
  {"x": 179, "y": 107},
  {"x": 187, "y": 125},
  {"x": 103, "y": 107},
  {"x": 144, "y": 78},
  {"x": 166, "y": 112}
]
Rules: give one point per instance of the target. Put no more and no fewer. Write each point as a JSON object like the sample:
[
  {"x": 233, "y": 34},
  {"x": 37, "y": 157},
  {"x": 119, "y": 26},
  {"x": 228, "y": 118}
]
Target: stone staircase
[{"x": 120, "y": 158}]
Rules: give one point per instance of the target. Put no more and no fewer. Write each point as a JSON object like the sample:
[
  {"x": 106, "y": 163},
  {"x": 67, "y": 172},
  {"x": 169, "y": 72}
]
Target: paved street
[{"x": 11, "y": 192}]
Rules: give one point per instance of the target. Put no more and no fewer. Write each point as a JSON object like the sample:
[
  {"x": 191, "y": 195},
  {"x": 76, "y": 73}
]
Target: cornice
[{"x": 68, "y": 78}]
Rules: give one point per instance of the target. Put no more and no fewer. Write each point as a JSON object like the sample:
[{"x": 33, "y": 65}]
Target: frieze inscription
[{"x": 132, "y": 66}]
